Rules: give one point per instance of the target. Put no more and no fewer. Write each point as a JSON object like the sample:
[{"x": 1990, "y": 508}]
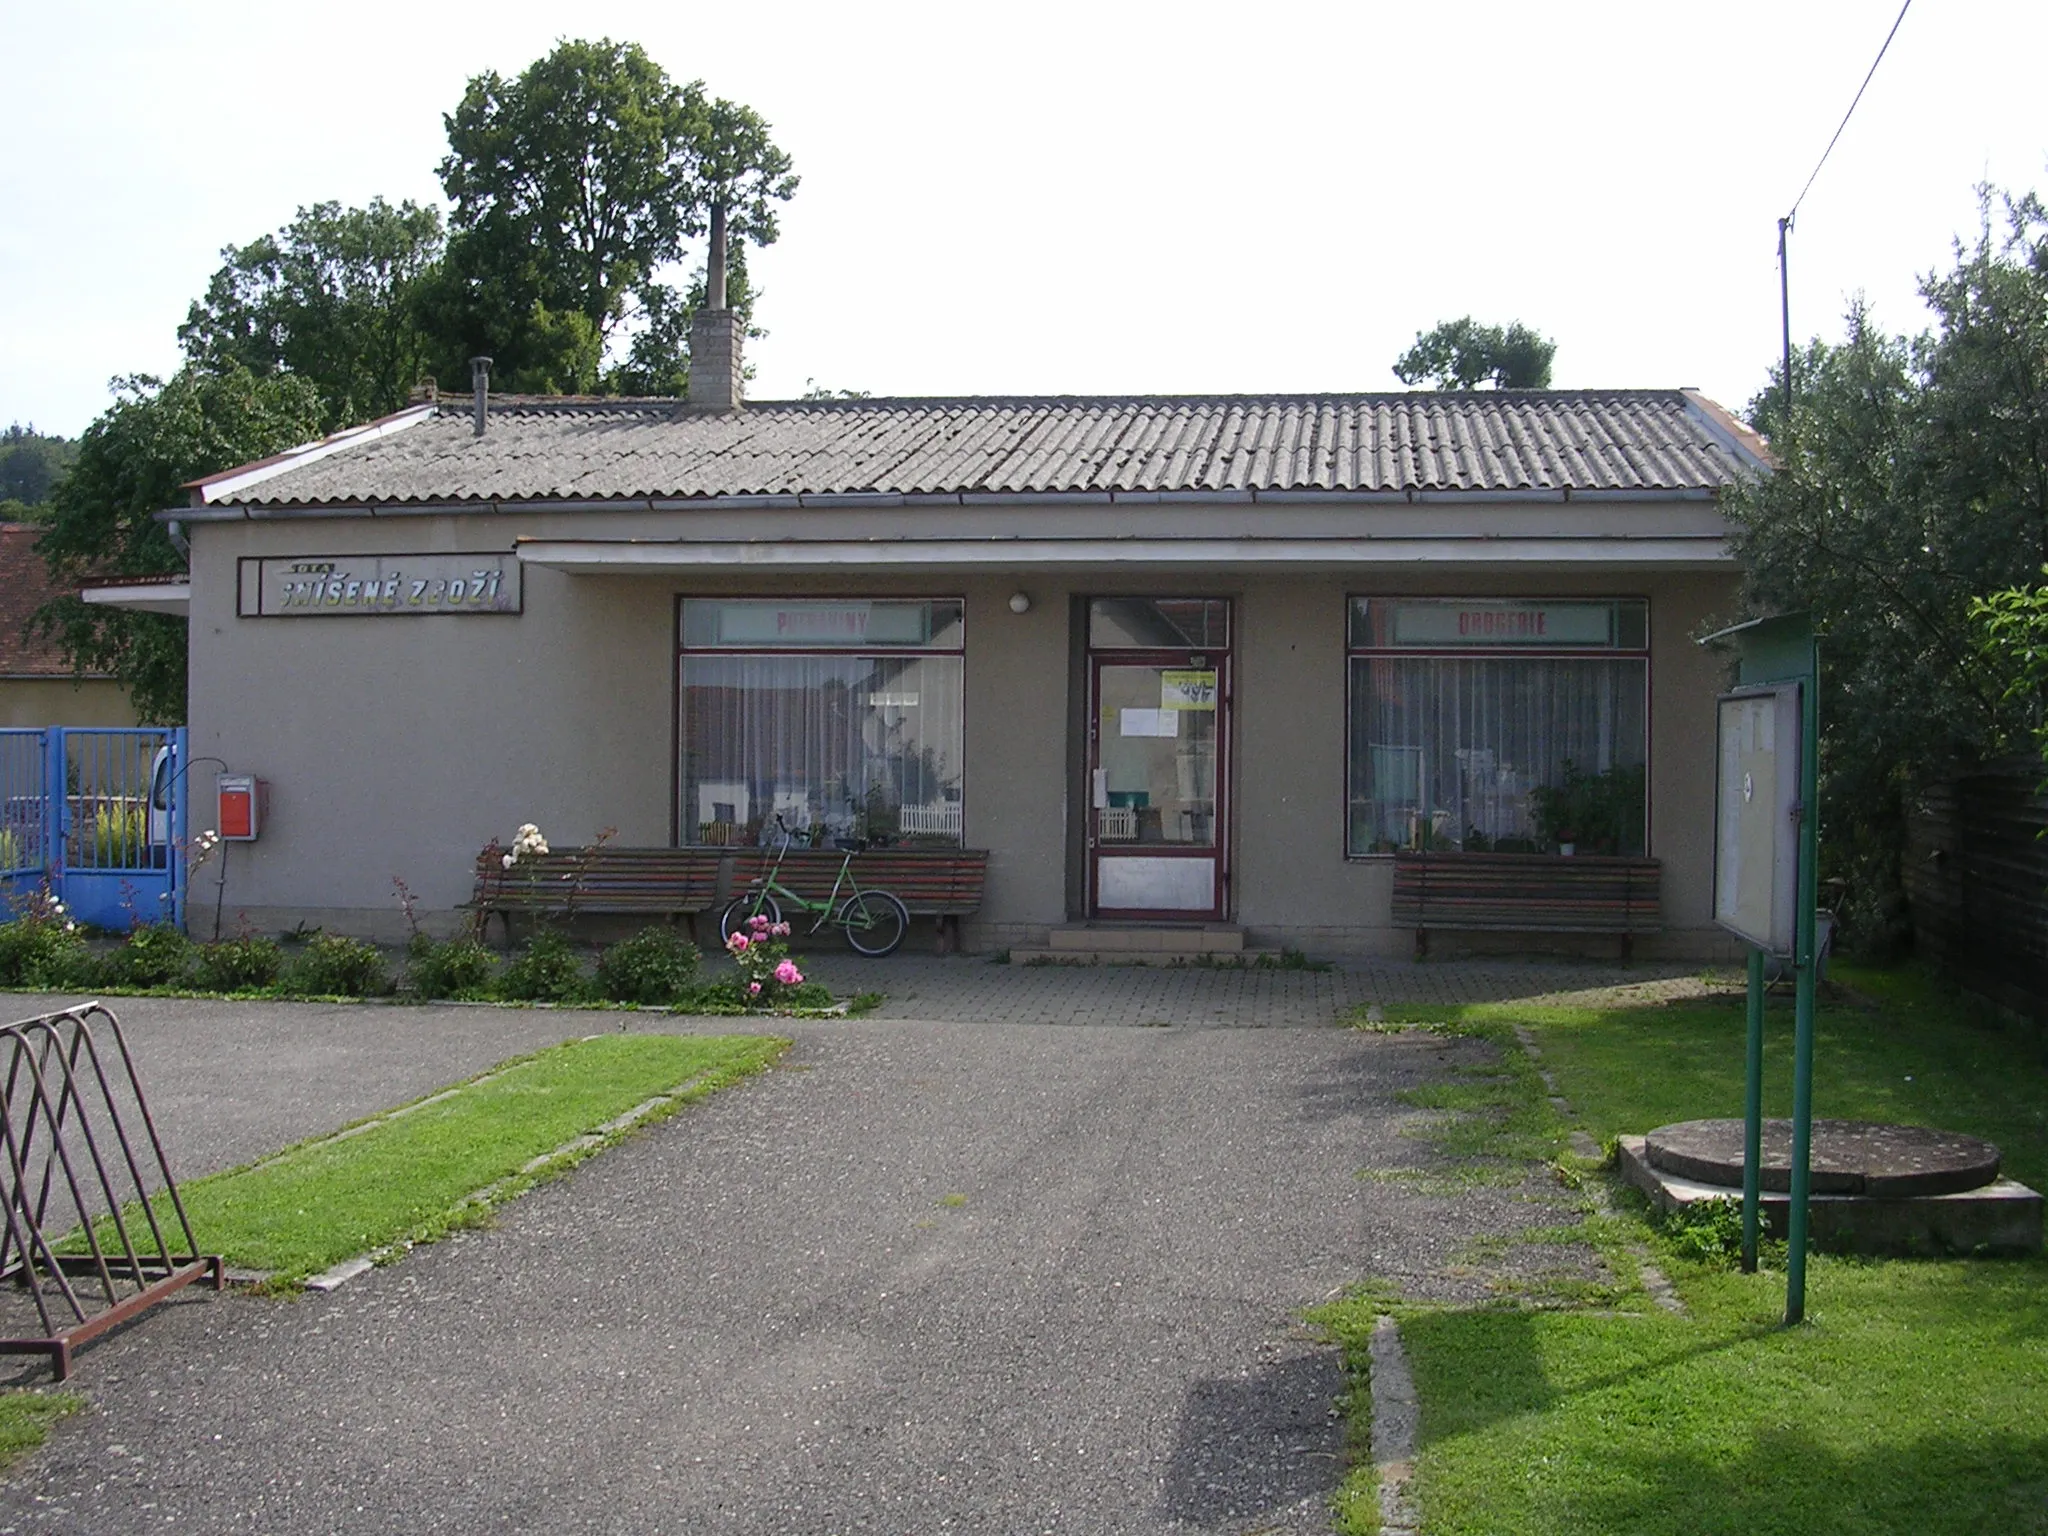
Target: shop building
[{"x": 1191, "y": 660}]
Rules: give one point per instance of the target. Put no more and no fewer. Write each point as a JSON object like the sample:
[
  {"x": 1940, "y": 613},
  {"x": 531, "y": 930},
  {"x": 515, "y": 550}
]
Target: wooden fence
[{"x": 1977, "y": 876}]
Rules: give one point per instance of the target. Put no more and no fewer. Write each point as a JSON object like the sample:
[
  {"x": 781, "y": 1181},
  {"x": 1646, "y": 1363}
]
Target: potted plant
[{"x": 1603, "y": 811}]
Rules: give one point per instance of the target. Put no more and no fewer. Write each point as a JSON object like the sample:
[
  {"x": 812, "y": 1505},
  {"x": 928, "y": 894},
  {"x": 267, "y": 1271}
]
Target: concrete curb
[
  {"x": 1396, "y": 1418},
  {"x": 569, "y": 1152},
  {"x": 1655, "y": 1281}
]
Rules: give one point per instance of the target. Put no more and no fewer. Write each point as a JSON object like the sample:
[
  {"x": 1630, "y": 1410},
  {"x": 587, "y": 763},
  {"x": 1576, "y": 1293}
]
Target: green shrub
[
  {"x": 547, "y": 971},
  {"x": 1706, "y": 1231},
  {"x": 448, "y": 967},
  {"x": 333, "y": 966},
  {"x": 153, "y": 955},
  {"x": 41, "y": 946},
  {"x": 656, "y": 965},
  {"x": 248, "y": 963},
  {"x": 119, "y": 831}
]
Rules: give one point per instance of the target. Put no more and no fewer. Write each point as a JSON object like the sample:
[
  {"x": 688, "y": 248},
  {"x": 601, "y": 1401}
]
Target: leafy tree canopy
[
  {"x": 574, "y": 185},
  {"x": 1463, "y": 354},
  {"x": 133, "y": 462},
  {"x": 1913, "y": 482},
  {"x": 333, "y": 297},
  {"x": 31, "y": 463}
]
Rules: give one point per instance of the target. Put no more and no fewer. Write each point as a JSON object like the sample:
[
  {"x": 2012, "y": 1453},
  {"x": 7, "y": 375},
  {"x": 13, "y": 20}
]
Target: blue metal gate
[{"x": 97, "y": 813}]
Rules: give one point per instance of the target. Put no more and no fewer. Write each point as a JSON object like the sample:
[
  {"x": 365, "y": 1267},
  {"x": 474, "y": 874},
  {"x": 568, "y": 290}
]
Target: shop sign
[
  {"x": 823, "y": 625},
  {"x": 1493, "y": 624},
  {"x": 329, "y": 586},
  {"x": 1187, "y": 689}
]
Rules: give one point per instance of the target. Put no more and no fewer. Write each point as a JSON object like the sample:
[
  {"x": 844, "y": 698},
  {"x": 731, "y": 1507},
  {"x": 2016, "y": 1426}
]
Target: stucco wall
[
  {"x": 399, "y": 746},
  {"x": 40, "y": 701}
]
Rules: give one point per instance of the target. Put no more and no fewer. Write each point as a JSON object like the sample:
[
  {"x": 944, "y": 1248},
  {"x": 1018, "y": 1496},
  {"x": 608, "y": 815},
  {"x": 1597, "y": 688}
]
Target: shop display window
[
  {"x": 1503, "y": 725},
  {"x": 841, "y": 718}
]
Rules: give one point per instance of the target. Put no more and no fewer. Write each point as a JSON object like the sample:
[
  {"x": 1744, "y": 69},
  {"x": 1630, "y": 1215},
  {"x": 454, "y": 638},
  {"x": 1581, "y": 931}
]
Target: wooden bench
[
  {"x": 943, "y": 883},
  {"x": 1526, "y": 893}
]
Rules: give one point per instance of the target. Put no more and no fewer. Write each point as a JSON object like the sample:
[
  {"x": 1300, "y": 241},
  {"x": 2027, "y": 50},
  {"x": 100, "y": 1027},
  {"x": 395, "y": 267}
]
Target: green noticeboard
[{"x": 1766, "y": 877}]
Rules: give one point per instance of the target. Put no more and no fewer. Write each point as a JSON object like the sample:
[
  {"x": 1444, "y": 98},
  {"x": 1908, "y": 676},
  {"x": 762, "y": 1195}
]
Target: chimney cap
[{"x": 480, "y": 375}]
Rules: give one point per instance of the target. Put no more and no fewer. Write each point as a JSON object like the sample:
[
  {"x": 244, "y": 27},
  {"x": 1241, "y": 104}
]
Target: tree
[
  {"x": 31, "y": 463},
  {"x": 574, "y": 186},
  {"x": 1463, "y": 354},
  {"x": 134, "y": 462},
  {"x": 2012, "y": 632},
  {"x": 334, "y": 297},
  {"x": 1913, "y": 481}
]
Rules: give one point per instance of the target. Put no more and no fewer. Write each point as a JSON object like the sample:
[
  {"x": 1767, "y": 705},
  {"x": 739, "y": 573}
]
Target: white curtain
[
  {"x": 1444, "y": 751},
  {"x": 836, "y": 745}
]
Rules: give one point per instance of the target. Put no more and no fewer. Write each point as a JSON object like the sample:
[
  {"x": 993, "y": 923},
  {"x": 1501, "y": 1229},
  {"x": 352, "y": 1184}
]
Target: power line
[
  {"x": 1850, "y": 113},
  {"x": 1785, "y": 224}
]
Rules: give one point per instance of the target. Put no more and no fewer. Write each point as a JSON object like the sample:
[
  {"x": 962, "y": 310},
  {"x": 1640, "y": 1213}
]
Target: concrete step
[
  {"x": 1232, "y": 960},
  {"x": 1146, "y": 938}
]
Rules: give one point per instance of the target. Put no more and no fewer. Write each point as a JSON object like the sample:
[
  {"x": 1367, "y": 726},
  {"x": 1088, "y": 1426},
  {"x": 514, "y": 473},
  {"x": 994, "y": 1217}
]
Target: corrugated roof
[{"x": 1507, "y": 441}]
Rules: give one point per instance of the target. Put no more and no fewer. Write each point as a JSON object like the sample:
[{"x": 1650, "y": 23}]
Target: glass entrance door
[{"x": 1156, "y": 781}]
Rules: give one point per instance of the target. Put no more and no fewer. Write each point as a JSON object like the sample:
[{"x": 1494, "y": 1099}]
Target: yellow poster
[{"x": 1187, "y": 690}]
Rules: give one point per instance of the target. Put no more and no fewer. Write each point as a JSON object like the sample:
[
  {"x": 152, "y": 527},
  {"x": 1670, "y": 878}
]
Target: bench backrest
[
  {"x": 1528, "y": 891},
  {"x": 927, "y": 880}
]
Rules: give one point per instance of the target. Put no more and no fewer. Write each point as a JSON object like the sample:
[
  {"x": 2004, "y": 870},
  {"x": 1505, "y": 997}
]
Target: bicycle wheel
[
  {"x": 740, "y": 908},
  {"x": 875, "y": 923}
]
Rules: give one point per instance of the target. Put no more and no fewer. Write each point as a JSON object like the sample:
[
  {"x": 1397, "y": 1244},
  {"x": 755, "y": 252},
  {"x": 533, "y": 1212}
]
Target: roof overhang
[
  {"x": 231, "y": 482},
  {"x": 172, "y": 597},
  {"x": 671, "y": 557}
]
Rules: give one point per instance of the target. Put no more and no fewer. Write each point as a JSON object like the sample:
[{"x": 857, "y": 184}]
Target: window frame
[
  {"x": 1644, "y": 653},
  {"x": 678, "y": 650}
]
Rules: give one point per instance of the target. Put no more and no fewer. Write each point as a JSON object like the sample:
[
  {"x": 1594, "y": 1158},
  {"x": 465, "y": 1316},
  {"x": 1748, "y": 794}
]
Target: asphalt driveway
[{"x": 929, "y": 1276}]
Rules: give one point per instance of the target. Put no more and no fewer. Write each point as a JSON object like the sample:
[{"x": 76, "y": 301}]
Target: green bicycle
[{"x": 873, "y": 921}]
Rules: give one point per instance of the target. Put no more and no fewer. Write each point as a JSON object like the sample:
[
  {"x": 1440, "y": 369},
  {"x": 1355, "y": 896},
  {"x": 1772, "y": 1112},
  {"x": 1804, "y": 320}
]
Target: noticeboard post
[{"x": 1766, "y": 857}]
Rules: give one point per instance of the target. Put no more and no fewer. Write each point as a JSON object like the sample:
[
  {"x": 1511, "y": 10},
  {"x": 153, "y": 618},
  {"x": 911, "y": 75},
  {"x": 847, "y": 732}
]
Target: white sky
[{"x": 1081, "y": 198}]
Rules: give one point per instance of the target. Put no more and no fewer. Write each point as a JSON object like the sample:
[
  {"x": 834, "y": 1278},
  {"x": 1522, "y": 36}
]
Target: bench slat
[
  {"x": 1532, "y": 893},
  {"x": 935, "y": 882}
]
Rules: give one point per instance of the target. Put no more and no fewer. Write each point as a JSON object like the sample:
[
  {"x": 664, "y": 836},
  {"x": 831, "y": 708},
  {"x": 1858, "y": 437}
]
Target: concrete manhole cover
[{"x": 1850, "y": 1157}]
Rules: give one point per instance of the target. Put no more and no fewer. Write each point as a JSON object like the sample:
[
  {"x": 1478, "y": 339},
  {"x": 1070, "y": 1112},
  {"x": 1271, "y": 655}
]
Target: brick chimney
[{"x": 715, "y": 334}]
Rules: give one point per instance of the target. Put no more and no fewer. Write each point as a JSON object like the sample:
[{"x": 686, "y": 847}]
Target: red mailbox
[{"x": 241, "y": 807}]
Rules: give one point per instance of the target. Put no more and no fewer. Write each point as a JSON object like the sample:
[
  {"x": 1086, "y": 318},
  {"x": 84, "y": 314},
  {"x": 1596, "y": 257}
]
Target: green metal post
[
  {"x": 1753, "y": 1114},
  {"x": 1808, "y": 962}
]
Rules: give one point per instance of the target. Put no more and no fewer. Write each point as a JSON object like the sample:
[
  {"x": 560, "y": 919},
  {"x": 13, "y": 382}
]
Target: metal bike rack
[{"x": 95, "y": 1230}]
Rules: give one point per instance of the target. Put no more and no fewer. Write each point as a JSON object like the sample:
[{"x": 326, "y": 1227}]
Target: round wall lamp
[{"x": 1020, "y": 602}]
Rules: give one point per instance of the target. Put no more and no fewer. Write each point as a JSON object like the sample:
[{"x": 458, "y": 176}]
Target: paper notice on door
[
  {"x": 1148, "y": 722},
  {"x": 1187, "y": 690}
]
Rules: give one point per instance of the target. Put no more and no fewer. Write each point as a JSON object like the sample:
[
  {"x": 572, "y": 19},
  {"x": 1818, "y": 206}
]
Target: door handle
[{"x": 1099, "y": 788}]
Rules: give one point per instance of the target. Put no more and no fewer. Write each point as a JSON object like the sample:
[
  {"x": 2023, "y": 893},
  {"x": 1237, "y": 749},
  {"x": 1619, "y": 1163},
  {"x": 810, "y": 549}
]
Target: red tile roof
[{"x": 25, "y": 587}]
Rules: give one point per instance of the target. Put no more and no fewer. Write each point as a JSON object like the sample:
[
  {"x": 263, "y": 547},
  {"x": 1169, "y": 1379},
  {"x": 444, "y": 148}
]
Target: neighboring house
[
  {"x": 37, "y": 685},
  {"x": 1206, "y": 660}
]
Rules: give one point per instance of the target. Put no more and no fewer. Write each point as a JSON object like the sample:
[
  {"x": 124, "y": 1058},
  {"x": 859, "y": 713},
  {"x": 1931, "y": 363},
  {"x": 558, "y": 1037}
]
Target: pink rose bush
[{"x": 767, "y": 975}]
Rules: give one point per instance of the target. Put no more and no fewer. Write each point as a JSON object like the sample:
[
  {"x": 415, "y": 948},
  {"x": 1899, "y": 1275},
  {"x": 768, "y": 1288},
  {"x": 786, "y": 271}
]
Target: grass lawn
[
  {"x": 1915, "y": 1399},
  {"x": 26, "y": 1417},
  {"x": 406, "y": 1178}
]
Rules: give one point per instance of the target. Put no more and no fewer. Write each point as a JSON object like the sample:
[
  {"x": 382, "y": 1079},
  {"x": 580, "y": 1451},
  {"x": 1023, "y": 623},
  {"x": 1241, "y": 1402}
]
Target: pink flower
[
  {"x": 753, "y": 989},
  {"x": 780, "y": 930},
  {"x": 788, "y": 974},
  {"x": 758, "y": 922},
  {"x": 737, "y": 943}
]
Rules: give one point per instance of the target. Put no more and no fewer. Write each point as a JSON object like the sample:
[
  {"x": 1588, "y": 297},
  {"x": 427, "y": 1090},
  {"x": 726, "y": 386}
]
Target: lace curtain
[
  {"x": 1445, "y": 751},
  {"x": 837, "y": 746}
]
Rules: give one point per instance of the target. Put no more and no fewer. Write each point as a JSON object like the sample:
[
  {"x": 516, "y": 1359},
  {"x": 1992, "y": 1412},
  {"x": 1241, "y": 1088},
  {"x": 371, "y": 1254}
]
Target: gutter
[{"x": 892, "y": 500}]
